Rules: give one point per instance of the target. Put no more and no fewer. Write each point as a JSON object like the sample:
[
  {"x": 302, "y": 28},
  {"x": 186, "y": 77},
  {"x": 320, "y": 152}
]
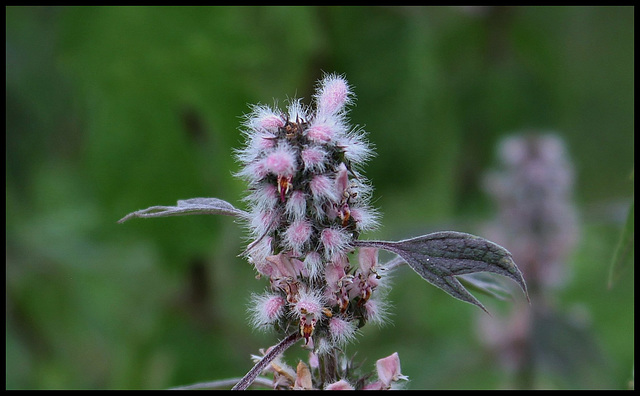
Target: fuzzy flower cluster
[
  {"x": 533, "y": 192},
  {"x": 308, "y": 203}
]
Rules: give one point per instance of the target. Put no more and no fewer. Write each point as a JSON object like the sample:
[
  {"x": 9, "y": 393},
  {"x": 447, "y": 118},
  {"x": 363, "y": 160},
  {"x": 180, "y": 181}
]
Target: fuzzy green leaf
[{"x": 439, "y": 257}]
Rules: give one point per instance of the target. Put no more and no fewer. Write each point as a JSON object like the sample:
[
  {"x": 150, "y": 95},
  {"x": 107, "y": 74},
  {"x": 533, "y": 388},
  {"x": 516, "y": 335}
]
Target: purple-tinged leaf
[
  {"x": 212, "y": 206},
  {"x": 440, "y": 256}
]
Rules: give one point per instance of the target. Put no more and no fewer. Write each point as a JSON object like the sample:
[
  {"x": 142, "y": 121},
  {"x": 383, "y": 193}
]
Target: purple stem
[{"x": 282, "y": 346}]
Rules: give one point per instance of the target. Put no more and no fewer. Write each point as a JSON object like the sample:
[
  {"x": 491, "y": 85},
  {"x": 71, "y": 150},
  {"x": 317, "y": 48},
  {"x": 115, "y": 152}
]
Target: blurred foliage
[
  {"x": 623, "y": 255},
  {"x": 114, "y": 109}
]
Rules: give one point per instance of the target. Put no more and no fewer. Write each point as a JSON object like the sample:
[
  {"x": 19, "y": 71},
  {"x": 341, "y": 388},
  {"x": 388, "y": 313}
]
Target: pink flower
[
  {"x": 263, "y": 221},
  {"x": 303, "y": 377},
  {"x": 339, "y": 385},
  {"x": 314, "y": 362},
  {"x": 265, "y": 142},
  {"x": 376, "y": 311},
  {"x": 264, "y": 119},
  {"x": 322, "y": 187},
  {"x": 335, "y": 241},
  {"x": 314, "y": 264},
  {"x": 314, "y": 159},
  {"x": 377, "y": 385},
  {"x": 338, "y": 283},
  {"x": 254, "y": 171},
  {"x": 265, "y": 197},
  {"x": 258, "y": 253},
  {"x": 281, "y": 162},
  {"x": 355, "y": 149},
  {"x": 333, "y": 273},
  {"x": 322, "y": 133},
  {"x": 284, "y": 266},
  {"x": 298, "y": 234},
  {"x": 308, "y": 309},
  {"x": 266, "y": 309},
  {"x": 333, "y": 95},
  {"x": 270, "y": 122},
  {"x": 342, "y": 180},
  {"x": 341, "y": 331},
  {"x": 296, "y": 206},
  {"x": 309, "y": 303},
  {"x": 368, "y": 259},
  {"x": 389, "y": 369},
  {"x": 366, "y": 218}
]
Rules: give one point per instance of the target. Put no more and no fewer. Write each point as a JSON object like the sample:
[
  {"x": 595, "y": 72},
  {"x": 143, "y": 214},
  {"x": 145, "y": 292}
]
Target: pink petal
[
  {"x": 389, "y": 369},
  {"x": 378, "y": 385},
  {"x": 342, "y": 180},
  {"x": 320, "y": 133},
  {"x": 271, "y": 122},
  {"x": 368, "y": 259},
  {"x": 333, "y": 94},
  {"x": 281, "y": 162},
  {"x": 339, "y": 385}
]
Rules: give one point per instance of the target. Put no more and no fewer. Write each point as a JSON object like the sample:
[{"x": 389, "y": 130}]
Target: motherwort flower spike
[{"x": 308, "y": 204}]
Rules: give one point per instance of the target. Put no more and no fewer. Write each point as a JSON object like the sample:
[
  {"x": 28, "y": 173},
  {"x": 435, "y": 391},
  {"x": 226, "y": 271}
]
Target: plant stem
[
  {"x": 223, "y": 384},
  {"x": 268, "y": 358}
]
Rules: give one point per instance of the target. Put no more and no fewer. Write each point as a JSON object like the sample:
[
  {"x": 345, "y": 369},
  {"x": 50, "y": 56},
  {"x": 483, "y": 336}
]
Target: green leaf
[
  {"x": 191, "y": 206},
  {"x": 440, "y": 256}
]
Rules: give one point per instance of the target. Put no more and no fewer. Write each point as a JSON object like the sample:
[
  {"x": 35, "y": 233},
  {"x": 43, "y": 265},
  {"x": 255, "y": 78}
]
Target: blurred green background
[{"x": 110, "y": 110}]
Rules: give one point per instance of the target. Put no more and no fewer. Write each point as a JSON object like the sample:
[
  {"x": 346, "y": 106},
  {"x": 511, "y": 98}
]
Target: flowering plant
[{"x": 308, "y": 203}]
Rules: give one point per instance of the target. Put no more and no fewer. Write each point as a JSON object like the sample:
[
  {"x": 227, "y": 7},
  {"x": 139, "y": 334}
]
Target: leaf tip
[
  {"x": 483, "y": 308},
  {"x": 125, "y": 218}
]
